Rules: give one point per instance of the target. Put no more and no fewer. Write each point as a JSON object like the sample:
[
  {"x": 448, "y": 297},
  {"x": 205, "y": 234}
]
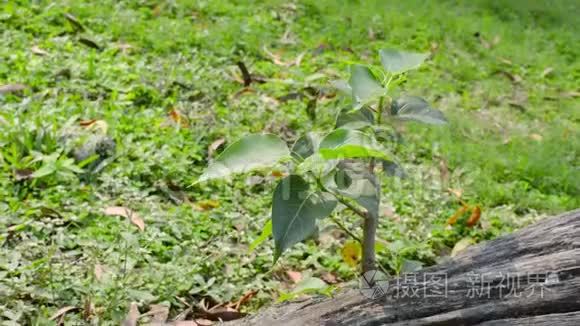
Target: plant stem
[
  {"x": 350, "y": 206},
  {"x": 371, "y": 221},
  {"x": 368, "y": 245},
  {"x": 380, "y": 110}
]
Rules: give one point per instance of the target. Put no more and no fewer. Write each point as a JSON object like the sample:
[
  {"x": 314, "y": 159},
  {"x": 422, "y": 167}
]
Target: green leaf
[
  {"x": 266, "y": 232},
  {"x": 316, "y": 165},
  {"x": 347, "y": 143},
  {"x": 249, "y": 153},
  {"x": 342, "y": 85},
  {"x": 46, "y": 169},
  {"x": 416, "y": 109},
  {"x": 352, "y": 179},
  {"x": 309, "y": 285},
  {"x": 364, "y": 84},
  {"x": 295, "y": 208},
  {"x": 306, "y": 145},
  {"x": 357, "y": 119},
  {"x": 397, "y": 62}
]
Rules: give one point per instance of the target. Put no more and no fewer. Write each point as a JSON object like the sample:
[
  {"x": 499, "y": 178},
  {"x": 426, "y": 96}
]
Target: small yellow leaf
[
  {"x": 206, "y": 205},
  {"x": 351, "y": 253},
  {"x": 128, "y": 213},
  {"x": 278, "y": 174}
]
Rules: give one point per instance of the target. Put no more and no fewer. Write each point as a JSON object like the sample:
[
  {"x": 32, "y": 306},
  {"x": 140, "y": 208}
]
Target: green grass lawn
[{"x": 161, "y": 78}]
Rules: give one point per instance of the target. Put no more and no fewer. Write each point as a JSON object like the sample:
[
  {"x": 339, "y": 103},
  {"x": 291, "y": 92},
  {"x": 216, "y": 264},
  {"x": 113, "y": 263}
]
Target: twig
[{"x": 340, "y": 225}]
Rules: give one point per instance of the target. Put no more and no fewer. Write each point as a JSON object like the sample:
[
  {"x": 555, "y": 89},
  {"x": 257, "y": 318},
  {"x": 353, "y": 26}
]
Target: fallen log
[{"x": 530, "y": 277}]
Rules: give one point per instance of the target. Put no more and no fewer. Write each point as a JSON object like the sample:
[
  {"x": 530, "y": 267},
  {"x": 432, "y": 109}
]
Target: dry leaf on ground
[
  {"x": 62, "y": 311},
  {"x": 458, "y": 213},
  {"x": 294, "y": 276},
  {"x": 128, "y": 213},
  {"x": 132, "y": 315},
  {"x": 12, "y": 88},
  {"x": 214, "y": 146},
  {"x": 38, "y": 51},
  {"x": 474, "y": 217},
  {"x": 160, "y": 313}
]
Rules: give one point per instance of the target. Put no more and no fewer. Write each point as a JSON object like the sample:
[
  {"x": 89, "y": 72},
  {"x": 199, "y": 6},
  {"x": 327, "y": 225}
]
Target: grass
[{"x": 504, "y": 73}]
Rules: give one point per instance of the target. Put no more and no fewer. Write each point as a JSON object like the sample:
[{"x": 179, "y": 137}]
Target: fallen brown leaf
[
  {"x": 124, "y": 47},
  {"x": 570, "y": 94},
  {"x": 294, "y": 276},
  {"x": 132, "y": 315},
  {"x": 184, "y": 323},
  {"x": 546, "y": 72},
  {"x": 23, "y": 174},
  {"x": 99, "y": 271},
  {"x": 159, "y": 312},
  {"x": 11, "y": 88},
  {"x": 444, "y": 171},
  {"x": 38, "y": 51},
  {"x": 203, "y": 322},
  {"x": 87, "y": 123},
  {"x": 245, "y": 298},
  {"x": 278, "y": 61},
  {"x": 455, "y": 192},
  {"x": 329, "y": 278},
  {"x": 128, "y": 213},
  {"x": 214, "y": 146},
  {"x": 475, "y": 215},
  {"x": 222, "y": 314},
  {"x": 62, "y": 311},
  {"x": 458, "y": 213},
  {"x": 95, "y": 124}
]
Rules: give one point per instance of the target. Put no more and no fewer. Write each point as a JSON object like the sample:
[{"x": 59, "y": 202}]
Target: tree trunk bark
[{"x": 531, "y": 277}]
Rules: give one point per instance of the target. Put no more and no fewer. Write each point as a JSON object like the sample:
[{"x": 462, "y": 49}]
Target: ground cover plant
[{"x": 111, "y": 110}]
